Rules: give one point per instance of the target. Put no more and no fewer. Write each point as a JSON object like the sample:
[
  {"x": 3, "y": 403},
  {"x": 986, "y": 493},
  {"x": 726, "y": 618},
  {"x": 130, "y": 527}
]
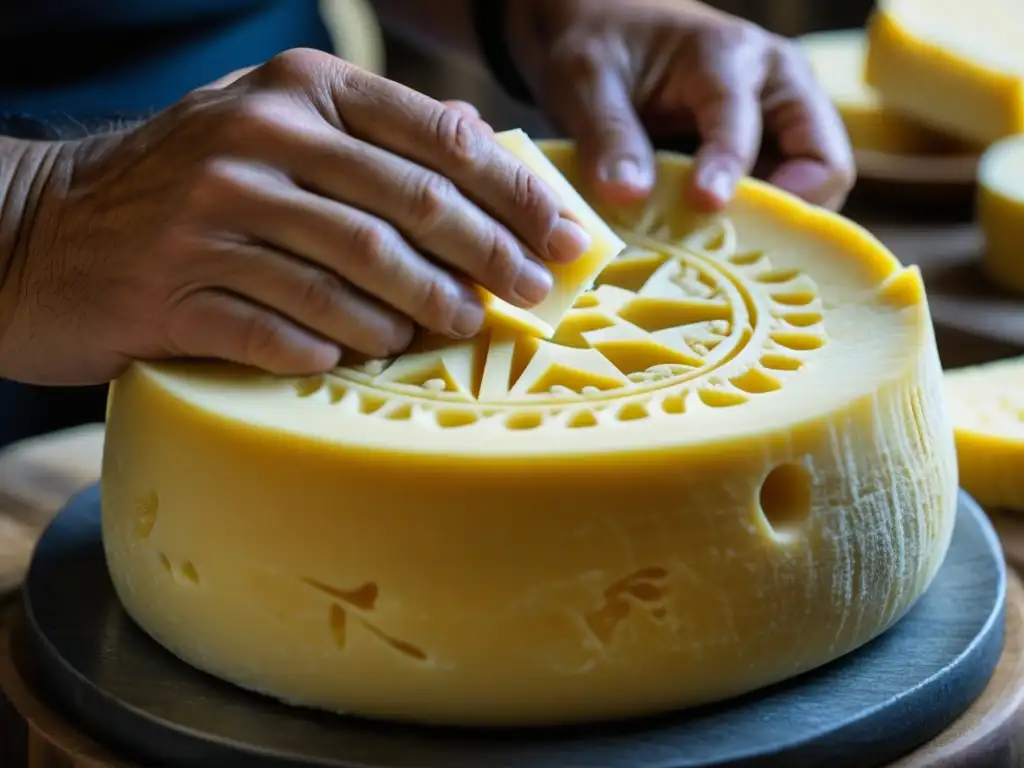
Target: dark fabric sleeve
[{"x": 489, "y": 18}]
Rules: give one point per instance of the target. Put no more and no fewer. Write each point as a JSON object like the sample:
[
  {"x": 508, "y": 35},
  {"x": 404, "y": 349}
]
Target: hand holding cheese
[{"x": 273, "y": 218}]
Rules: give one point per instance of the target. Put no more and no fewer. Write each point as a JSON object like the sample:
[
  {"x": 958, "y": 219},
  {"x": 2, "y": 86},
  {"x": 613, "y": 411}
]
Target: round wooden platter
[
  {"x": 989, "y": 733},
  {"x": 911, "y": 181},
  {"x": 37, "y": 477},
  {"x": 1009, "y": 524}
]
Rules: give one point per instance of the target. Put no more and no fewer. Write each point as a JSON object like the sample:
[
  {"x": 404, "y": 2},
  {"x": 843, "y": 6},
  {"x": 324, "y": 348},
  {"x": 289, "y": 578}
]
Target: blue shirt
[{"x": 92, "y": 58}]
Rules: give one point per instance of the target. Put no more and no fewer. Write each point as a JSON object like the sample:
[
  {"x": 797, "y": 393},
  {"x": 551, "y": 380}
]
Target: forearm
[
  {"x": 27, "y": 178},
  {"x": 443, "y": 26}
]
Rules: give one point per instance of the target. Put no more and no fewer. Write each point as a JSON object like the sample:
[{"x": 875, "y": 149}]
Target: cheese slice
[
  {"x": 955, "y": 65},
  {"x": 570, "y": 280},
  {"x": 987, "y": 403},
  {"x": 838, "y": 60},
  {"x": 732, "y": 463},
  {"x": 1000, "y": 212}
]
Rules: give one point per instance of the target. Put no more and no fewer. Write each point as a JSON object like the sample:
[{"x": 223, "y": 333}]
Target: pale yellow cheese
[
  {"x": 955, "y": 65},
  {"x": 731, "y": 464},
  {"x": 1000, "y": 212},
  {"x": 837, "y": 58},
  {"x": 570, "y": 280},
  {"x": 987, "y": 403}
]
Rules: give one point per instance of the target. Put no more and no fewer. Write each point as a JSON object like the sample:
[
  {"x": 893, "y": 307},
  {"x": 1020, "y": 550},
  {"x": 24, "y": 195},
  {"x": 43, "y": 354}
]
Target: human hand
[
  {"x": 272, "y": 219},
  {"x": 612, "y": 73}
]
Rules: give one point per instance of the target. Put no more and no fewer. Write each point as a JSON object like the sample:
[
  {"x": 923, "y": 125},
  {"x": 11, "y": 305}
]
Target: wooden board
[
  {"x": 37, "y": 477},
  {"x": 1009, "y": 525}
]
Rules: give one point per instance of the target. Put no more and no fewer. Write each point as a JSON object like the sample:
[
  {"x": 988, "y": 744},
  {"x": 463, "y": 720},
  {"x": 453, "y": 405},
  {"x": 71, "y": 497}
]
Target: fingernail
[
  {"x": 468, "y": 318},
  {"x": 722, "y": 185},
  {"x": 626, "y": 171},
  {"x": 719, "y": 182},
  {"x": 567, "y": 241},
  {"x": 533, "y": 284}
]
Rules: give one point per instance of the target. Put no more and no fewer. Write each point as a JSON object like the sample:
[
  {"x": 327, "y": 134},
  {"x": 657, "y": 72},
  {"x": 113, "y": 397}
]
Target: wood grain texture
[{"x": 1009, "y": 525}]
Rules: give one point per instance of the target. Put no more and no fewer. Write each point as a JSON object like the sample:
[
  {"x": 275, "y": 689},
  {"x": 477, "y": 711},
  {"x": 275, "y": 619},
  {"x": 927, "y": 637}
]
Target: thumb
[{"x": 594, "y": 107}]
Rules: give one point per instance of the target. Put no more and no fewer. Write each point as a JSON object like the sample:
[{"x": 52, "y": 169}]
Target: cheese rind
[
  {"x": 838, "y": 60},
  {"x": 987, "y": 404},
  {"x": 570, "y": 280},
  {"x": 731, "y": 464},
  {"x": 1000, "y": 212},
  {"x": 956, "y": 66}
]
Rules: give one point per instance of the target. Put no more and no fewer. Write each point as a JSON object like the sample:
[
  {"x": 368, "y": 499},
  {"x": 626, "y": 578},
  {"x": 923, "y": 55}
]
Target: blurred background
[{"x": 451, "y": 78}]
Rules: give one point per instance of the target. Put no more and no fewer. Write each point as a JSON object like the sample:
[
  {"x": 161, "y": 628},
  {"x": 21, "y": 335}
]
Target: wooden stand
[
  {"x": 989, "y": 734},
  {"x": 37, "y": 477}
]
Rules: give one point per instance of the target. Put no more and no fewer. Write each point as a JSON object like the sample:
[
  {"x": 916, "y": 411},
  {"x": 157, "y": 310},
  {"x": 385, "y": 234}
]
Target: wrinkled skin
[
  {"x": 275, "y": 219},
  {"x": 612, "y": 73},
  {"x": 293, "y": 212}
]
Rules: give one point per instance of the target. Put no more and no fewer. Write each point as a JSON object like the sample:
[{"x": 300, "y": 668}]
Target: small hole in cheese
[{"x": 786, "y": 497}]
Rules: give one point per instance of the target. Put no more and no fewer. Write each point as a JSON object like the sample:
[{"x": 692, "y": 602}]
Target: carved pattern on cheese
[
  {"x": 643, "y": 590},
  {"x": 354, "y": 605},
  {"x": 674, "y": 323}
]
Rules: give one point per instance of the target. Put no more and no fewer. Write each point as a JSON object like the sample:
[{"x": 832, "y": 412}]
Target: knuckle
[
  {"x": 321, "y": 293},
  {"x": 581, "y": 62},
  {"x": 254, "y": 121},
  {"x": 738, "y": 35},
  {"x": 370, "y": 240},
  {"x": 265, "y": 338},
  {"x": 295, "y": 64},
  {"x": 458, "y": 136},
  {"x": 388, "y": 336},
  {"x": 218, "y": 182},
  {"x": 531, "y": 197},
  {"x": 431, "y": 197},
  {"x": 435, "y": 304},
  {"x": 501, "y": 261},
  {"x": 791, "y": 58}
]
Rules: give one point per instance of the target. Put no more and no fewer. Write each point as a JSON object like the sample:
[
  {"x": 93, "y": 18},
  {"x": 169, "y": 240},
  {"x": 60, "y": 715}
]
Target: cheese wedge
[
  {"x": 987, "y": 404},
  {"x": 1000, "y": 212},
  {"x": 955, "y": 65},
  {"x": 838, "y": 60},
  {"x": 732, "y": 463},
  {"x": 570, "y": 280}
]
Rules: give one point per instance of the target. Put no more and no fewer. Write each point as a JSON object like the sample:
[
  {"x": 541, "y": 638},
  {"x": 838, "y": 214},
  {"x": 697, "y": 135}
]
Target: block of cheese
[
  {"x": 570, "y": 280},
  {"x": 1000, "y": 212},
  {"x": 838, "y": 60},
  {"x": 732, "y": 463},
  {"x": 987, "y": 404},
  {"x": 955, "y": 65}
]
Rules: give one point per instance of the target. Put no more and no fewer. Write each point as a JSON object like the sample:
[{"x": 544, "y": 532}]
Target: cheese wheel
[
  {"x": 987, "y": 403},
  {"x": 955, "y": 65},
  {"x": 731, "y": 464},
  {"x": 569, "y": 280},
  {"x": 838, "y": 60},
  {"x": 1000, "y": 212}
]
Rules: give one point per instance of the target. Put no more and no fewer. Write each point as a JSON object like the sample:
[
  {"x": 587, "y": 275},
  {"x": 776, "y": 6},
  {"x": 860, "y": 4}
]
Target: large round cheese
[
  {"x": 837, "y": 58},
  {"x": 987, "y": 403},
  {"x": 1000, "y": 212},
  {"x": 732, "y": 463},
  {"x": 955, "y": 65}
]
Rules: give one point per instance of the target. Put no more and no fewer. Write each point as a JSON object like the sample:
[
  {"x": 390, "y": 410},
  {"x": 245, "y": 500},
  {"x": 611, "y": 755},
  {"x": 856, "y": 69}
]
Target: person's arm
[{"x": 25, "y": 174}]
